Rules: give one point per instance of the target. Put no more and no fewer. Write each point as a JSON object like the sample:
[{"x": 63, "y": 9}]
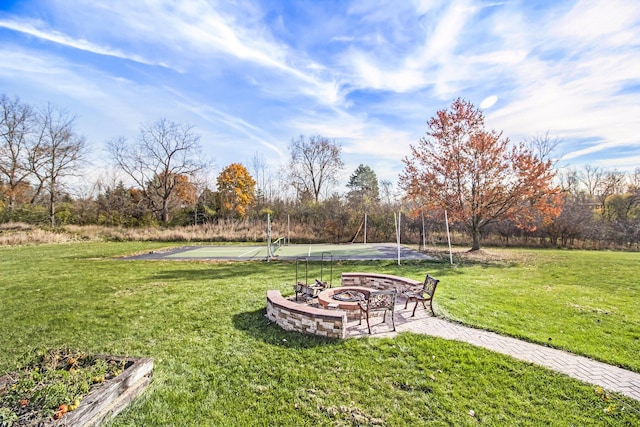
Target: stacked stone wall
[
  {"x": 378, "y": 281},
  {"x": 292, "y": 316}
]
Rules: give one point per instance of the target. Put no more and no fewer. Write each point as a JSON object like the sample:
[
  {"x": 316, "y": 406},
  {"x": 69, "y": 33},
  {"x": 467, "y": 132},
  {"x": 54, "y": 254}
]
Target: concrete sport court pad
[{"x": 353, "y": 251}]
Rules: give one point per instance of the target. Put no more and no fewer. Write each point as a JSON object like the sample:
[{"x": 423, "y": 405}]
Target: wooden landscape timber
[{"x": 107, "y": 399}]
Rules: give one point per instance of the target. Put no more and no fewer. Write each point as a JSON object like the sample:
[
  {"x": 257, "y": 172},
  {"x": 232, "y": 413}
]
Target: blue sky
[{"x": 252, "y": 75}]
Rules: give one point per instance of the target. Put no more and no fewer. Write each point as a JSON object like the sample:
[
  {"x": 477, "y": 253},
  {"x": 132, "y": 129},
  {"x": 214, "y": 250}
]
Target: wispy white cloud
[
  {"x": 37, "y": 29},
  {"x": 55, "y": 76},
  {"x": 252, "y": 132},
  {"x": 607, "y": 23},
  {"x": 216, "y": 29},
  {"x": 199, "y": 31},
  {"x": 572, "y": 83},
  {"x": 445, "y": 35},
  {"x": 441, "y": 57}
]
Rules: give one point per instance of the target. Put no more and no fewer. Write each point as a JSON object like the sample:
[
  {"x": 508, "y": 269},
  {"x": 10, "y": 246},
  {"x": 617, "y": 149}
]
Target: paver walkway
[{"x": 582, "y": 368}]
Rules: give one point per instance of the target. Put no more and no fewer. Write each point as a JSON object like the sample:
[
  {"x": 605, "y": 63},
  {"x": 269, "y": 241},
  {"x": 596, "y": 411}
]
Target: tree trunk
[
  {"x": 12, "y": 200},
  {"x": 476, "y": 240},
  {"x": 52, "y": 209},
  {"x": 475, "y": 232},
  {"x": 164, "y": 214}
]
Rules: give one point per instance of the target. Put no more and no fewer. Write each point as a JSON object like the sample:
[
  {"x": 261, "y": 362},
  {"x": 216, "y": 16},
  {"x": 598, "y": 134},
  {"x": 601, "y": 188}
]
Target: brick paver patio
[{"x": 608, "y": 377}]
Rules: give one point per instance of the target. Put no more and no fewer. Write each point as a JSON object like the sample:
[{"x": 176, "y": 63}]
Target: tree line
[{"x": 493, "y": 190}]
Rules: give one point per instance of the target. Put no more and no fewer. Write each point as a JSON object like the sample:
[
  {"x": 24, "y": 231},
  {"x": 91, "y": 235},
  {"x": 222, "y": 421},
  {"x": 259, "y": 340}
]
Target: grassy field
[{"x": 219, "y": 361}]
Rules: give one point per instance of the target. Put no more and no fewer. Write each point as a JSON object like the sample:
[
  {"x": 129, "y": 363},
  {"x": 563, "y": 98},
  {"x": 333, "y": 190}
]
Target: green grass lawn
[
  {"x": 219, "y": 361},
  {"x": 582, "y": 301}
]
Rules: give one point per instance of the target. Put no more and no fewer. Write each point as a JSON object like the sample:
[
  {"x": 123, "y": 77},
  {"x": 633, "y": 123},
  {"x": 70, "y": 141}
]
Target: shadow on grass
[{"x": 256, "y": 325}]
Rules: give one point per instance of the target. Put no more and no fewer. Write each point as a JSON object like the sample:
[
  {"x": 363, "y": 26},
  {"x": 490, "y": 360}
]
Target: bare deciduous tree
[
  {"x": 56, "y": 154},
  {"x": 592, "y": 178},
  {"x": 601, "y": 183},
  {"x": 570, "y": 182},
  {"x": 543, "y": 146},
  {"x": 163, "y": 152},
  {"x": 314, "y": 165},
  {"x": 613, "y": 183},
  {"x": 264, "y": 179},
  {"x": 634, "y": 180},
  {"x": 386, "y": 192},
  {"x": 16, "y": 126},
  {"x": 201, "y": 184}
]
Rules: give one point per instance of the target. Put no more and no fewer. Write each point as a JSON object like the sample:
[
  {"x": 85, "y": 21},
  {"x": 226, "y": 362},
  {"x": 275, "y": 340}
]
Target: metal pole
[
  {"x": 269, "y": 250},
  {"x": 424, "y": 238},
  {"x": 395, "y": 224},
  {"x": 398, "y": 224},
  {"x": 288, "y": 231},
  {"x": 365, "y": 228},
  {"x": 446, "y": 220}
]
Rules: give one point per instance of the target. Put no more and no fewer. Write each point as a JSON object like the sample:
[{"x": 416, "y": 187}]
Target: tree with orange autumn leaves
[
  {"x": 236, "y": 190},
  {"x": 476, "y": 175}
]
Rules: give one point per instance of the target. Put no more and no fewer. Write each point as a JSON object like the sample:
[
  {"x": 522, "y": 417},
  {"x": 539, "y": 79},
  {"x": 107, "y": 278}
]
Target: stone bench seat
[
  {"x": 293, "y": 316},
  {"x": 381, "y": 282}
]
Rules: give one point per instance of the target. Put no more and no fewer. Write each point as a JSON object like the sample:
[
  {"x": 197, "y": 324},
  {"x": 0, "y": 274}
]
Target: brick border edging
[{"x": 292, "y": 316}]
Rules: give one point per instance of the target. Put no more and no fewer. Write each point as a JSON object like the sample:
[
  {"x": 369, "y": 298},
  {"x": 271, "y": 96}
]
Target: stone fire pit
[
  {"x": 331, "y": 299},
  {"x": 331, "y": 317}
]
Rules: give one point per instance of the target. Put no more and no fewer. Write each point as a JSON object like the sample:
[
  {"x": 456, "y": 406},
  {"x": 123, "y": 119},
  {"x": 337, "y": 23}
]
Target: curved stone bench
[
  {"x": 378, "y": 281},
  {"x": 292, "y": 316}
]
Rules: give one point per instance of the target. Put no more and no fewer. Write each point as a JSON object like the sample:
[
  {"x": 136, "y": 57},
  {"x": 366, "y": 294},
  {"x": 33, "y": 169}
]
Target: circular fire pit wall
[
  {"x": 344, "y": 298},
  {"x": 349, "y": 296}
]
